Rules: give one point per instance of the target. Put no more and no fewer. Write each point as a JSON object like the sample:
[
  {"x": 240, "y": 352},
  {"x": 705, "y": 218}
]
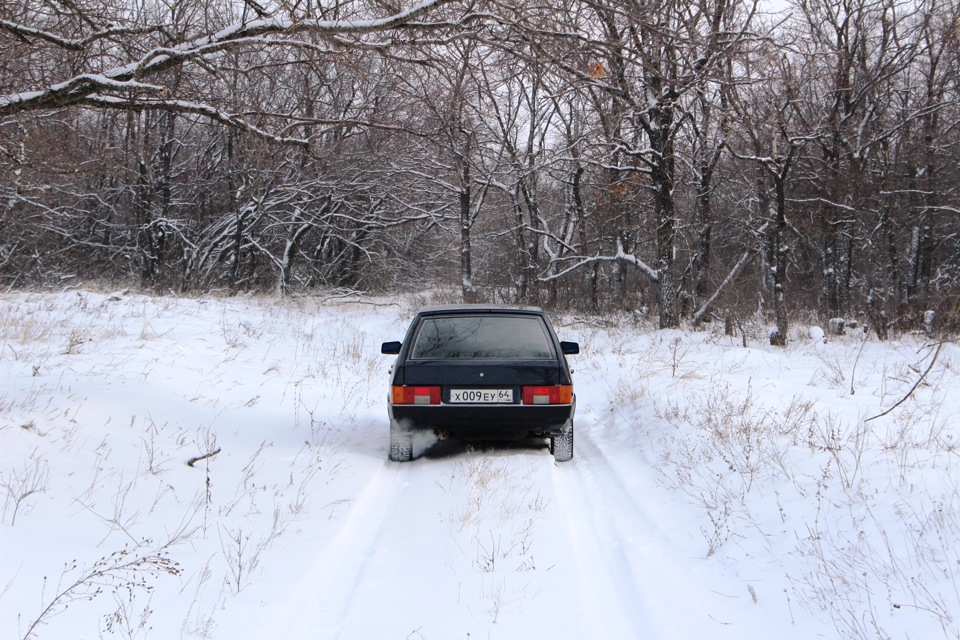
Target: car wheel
[
  {"x": 401, "y": 444},
  {"x": 561, "y": 445}
]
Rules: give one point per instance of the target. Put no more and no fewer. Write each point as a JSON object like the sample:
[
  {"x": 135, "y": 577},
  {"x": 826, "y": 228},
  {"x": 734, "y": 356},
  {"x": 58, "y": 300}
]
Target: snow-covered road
[{"x": 499, "y": 541}]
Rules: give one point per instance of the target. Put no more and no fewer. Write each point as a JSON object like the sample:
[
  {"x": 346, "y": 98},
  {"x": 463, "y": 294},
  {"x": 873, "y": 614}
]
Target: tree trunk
[
  {"x": 662, "y": 175},
  {"x": 779, "y": 266},
  {"x": 466, "y": 271}
]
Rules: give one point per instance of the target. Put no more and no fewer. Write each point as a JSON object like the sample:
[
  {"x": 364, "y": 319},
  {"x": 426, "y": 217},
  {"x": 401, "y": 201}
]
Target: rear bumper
[{"x": 502, "y": 420}]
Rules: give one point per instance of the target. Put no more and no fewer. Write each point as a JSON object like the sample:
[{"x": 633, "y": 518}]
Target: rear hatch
[{"x": 482, "y": 357}]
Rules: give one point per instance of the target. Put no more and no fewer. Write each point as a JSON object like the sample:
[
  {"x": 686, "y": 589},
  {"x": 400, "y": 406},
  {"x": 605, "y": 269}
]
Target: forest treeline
[{"x": 687, "y": 159}]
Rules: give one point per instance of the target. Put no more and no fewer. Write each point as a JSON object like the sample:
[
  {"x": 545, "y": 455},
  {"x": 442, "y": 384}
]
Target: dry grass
[{"x": 739, "y": 459}]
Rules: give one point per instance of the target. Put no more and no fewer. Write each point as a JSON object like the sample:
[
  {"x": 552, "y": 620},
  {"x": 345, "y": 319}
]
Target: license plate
[{"x": 481, "y": 396}]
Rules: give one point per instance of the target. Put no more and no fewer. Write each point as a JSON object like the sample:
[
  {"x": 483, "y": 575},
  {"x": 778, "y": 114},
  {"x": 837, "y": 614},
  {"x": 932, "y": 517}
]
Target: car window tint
[{"x": 482, "y": 337}]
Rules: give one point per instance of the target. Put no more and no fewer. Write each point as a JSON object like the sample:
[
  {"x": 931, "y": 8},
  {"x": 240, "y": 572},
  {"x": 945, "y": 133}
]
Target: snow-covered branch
[
  {"x": 620, "y": 256},
  {"x": 128, "y": 76},
  {"x": 182, "y": 106},
  {"x": 25, "y": 32}
]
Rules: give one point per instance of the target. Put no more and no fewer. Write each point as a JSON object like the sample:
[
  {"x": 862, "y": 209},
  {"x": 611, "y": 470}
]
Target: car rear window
[{"x": 483, "y": 337}]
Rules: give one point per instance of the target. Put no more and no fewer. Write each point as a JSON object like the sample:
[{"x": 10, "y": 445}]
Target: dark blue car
[{"x": 481, "y": 372}]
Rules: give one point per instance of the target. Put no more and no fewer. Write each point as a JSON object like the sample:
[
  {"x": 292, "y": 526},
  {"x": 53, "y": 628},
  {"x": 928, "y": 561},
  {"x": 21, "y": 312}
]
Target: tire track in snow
[
  {"x": 607, "y": 585},
  {"x": 629, "y": 579},
  {"x": 321, "y": 601}
]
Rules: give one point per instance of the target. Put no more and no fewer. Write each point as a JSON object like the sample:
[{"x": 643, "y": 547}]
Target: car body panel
[
  {"x": 495, "y": 422},
  {"x": 480, "y": 375}
]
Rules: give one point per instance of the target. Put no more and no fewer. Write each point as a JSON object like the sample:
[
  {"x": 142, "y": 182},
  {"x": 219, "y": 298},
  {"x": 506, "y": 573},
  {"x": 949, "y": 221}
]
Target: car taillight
[
  {"x": 556, "y": 394},
  {"x": 416, "y": 395}
]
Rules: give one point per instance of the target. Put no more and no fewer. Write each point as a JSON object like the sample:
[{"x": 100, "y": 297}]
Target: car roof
[{"x": 477, "y": 308}]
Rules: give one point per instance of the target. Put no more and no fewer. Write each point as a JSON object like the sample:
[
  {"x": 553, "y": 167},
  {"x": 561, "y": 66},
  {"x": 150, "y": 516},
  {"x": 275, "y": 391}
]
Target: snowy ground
[{"x": 717, "y": 490}]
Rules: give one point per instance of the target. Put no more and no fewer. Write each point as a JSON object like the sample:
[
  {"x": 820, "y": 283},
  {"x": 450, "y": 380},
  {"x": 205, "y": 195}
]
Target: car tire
[
  {"x": 401, "y": 445},
  {"x": 561, "y": 445}
]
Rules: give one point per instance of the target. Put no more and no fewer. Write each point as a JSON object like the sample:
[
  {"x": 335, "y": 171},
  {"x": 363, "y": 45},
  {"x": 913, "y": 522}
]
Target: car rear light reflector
[
  {"x": 556, "y": 394},
  {"x": 416, "y": 395}
]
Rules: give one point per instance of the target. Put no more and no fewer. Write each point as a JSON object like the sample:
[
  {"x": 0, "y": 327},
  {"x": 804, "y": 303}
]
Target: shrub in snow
[
  {"x": 836, "y": 326},
  {"x": 777, "y": 339}
]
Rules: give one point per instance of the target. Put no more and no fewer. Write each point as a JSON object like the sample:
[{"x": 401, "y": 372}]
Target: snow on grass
[{"x": 720, "y": 487}]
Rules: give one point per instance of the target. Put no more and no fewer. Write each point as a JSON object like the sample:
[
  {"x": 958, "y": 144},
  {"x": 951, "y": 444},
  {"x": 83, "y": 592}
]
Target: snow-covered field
[{"x": 717, "y": 491}]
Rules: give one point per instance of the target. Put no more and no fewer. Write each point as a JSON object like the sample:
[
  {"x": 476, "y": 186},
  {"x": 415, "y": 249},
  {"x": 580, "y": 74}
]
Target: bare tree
[
  {"x": 278, "y": 73},
  {"x": 773, "y": 131},
  {"x": 857, "y": 50},
  {"x": 643, "y": 60}
]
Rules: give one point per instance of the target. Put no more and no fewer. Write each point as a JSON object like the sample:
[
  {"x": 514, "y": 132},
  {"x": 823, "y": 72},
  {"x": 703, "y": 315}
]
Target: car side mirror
[
  {"x": 390, "y": 348},
  {"x": 569, "y": 348}
]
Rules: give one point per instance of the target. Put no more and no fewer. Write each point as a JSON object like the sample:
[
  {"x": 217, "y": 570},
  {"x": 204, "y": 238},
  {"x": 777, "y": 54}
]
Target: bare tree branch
[{"x": 79, "y": 88}]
